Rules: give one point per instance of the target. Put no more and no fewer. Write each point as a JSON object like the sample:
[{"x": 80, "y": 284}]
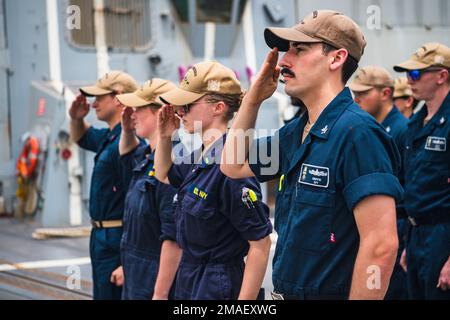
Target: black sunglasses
[{"x": 187, "y": 107}]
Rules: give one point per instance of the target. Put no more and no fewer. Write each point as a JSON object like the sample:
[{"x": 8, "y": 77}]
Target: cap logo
[
  {"x": 422, "y": 50},
  {"x": 439, "y": 59},
  {"x": 185, "y": 80},
  {"x": 192, "y": 69},
  {"x": 213, "y": 85}
]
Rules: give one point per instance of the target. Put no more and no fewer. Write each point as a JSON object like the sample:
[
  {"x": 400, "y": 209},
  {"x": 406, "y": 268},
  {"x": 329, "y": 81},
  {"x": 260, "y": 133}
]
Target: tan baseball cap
[
  {"x": 148, "y": 94},
  {"x": 203, "y": 78},
  {"x": 370, "y": 77},
  {"x": 331, "y": 27},
  {"x": 402, "y": 88},
  {"x": 431, "y": 54},
  {"x": 111, "y": 82}
]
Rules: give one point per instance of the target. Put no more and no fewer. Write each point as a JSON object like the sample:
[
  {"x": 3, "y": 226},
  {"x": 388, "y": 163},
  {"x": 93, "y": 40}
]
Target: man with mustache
[{"x": 335, "y": 208}]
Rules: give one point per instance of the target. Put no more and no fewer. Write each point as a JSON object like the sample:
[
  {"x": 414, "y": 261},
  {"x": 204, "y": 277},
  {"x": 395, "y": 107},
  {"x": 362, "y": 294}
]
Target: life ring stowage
[{"x": 27, "y": 162}]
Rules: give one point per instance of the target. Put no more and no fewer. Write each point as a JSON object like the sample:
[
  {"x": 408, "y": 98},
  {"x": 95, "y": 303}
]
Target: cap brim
[
  {"x": 180, "y": 97},
  {"x": 410, "y": 65},
  {"x": 280, "y": 37},
  {"x": 356, "y": 87},
  {"x": 403, "y": 93},
  {"x": 94, "y": 91},
  {"x": 133, "y": 101}
]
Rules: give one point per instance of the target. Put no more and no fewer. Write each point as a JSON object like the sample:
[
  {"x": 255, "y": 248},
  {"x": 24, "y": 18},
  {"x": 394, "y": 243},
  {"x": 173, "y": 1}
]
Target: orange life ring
[{"x": 28, "y": 159}]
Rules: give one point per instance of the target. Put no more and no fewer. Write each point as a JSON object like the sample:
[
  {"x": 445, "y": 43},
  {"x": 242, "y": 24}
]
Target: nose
[
  {"x": 133, "y": 115},
  {"x": 285, "y": 60},
  {"x": 180, "y": 111}
]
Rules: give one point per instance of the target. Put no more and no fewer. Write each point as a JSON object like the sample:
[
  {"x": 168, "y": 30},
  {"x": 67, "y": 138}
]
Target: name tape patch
[
  {"x": 314, "y": 175},
  {"x": 436, "y": 144}
]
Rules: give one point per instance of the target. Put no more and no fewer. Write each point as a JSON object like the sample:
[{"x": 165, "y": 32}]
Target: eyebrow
[{"x": 300, "y": 44}]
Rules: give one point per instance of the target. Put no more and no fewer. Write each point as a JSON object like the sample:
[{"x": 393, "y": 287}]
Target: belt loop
[{"x": 101, "y": 224}]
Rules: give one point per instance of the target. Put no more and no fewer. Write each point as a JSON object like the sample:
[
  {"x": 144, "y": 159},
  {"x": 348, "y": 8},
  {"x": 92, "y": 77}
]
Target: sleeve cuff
[
  {"x": 258, "y": 233},
  {"x": 256, "y": 169},
  {"x": 372, "y": 184},
  {"x": 165, "y": 237},
  {"x": 173, "y": 177}
]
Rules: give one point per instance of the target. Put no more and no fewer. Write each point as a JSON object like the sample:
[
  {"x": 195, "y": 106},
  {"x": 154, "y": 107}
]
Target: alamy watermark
[
  {"x": 374, "y": 279},
  {"x": 73, "y": 20},
  {"x": 264, "y": 151},
  {"x": 73, "y": 281}
]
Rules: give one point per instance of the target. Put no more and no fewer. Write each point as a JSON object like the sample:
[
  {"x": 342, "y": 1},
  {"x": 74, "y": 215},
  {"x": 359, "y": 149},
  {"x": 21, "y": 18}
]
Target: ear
[
  {"x": 117, "y": 102},
  {"x": 386, "y": 93},
  {"x": 219, "y": 108},
  {"x": 409, "y": 102},
  {"x": 443, "y": 76},
  {"x": 338, "y": 59}
]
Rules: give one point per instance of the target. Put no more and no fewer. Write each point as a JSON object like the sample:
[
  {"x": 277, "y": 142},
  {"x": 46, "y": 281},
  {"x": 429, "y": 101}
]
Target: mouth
[{"x": 286, "y": 74}]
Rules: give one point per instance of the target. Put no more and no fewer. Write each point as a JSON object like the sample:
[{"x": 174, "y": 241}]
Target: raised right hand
[
  {"x": 266, "y": 81},
  {"x": 168, "y": 122},
  {"x": 79, "y": 108},
  {"x": 127, "y": 123}
]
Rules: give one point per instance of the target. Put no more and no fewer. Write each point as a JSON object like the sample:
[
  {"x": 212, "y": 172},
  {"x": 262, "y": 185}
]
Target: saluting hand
[
  {"x": 266, "y": 81},
  {"x": 79, "y": 108},
  {"x": 127, "y": 123},
  {"x": 168, "y": 122}
]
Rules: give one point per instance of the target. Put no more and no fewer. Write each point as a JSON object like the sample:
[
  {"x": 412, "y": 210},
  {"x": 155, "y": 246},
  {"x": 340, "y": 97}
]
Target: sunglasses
[
  {"x": 415, "y": 75},
  {"x": 187, "y": 107}
]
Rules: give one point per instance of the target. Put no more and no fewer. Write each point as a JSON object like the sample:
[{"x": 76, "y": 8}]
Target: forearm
[
  {"x": 239, "y": 139},
  {"x": 163, "y": 158},
  {"x": 255, "y": 269},
  {"x": 168, "y": 266},
  {"x": 78, "y": 128},
  {"x": 128, "y": 142},
  {"x": 373, "y": 270}
]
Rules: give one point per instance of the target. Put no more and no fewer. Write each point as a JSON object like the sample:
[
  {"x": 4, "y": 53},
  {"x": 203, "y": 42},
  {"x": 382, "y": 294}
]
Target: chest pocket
[
  {"x": 310, "y": 219},
  {"x": 145, "y": 197},
  {"x": 431, "y": 166},
  {"x": 104, "y": 165},
  {"x": 198, "y": 220}
]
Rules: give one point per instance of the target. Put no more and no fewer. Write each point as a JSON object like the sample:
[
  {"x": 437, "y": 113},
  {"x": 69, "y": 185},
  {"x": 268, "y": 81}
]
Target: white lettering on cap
[{"x": 213, "y": 85}]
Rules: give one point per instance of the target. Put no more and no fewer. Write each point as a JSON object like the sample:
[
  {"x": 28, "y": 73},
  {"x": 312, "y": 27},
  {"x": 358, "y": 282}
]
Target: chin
[
  {"x": 292, "y": 92},
  {"x": 140, "y": 134}
]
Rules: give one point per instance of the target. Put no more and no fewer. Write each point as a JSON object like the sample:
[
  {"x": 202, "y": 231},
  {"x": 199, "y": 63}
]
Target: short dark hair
[{"x": 349, "y": 67}]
